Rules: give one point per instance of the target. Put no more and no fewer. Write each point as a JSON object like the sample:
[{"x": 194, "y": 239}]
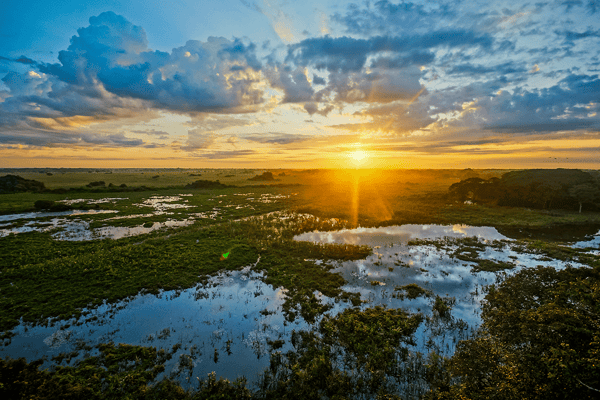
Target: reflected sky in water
[
  {"x": 77, "y": 229},
  {"x": 225, "y": 314},
  {"x": 399, "y": 234},
  {"x": 236, "y": 313}
]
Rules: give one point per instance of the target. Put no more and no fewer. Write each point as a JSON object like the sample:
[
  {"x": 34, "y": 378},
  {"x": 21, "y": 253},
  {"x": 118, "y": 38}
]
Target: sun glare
[{"x": 358, "y": 157}]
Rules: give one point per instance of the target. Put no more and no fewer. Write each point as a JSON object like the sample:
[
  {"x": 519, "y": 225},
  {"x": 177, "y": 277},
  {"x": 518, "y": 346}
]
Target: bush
[{"x": 43, "y": 204}]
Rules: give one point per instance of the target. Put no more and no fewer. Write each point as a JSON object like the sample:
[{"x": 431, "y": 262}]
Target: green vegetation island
[{"x": 299, "y": 284}]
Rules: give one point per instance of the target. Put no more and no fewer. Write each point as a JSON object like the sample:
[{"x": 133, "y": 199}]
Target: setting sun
[{"x": 358, "y": 157}]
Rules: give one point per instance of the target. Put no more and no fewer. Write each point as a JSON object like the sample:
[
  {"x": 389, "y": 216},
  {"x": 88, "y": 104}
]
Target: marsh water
[{"x": 227, "y": 324}]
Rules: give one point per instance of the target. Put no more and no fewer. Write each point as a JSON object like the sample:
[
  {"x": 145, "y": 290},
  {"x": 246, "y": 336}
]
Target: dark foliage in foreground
[
  {"x": 118, "y": 372},
  {"x": 540, "y": 339}
]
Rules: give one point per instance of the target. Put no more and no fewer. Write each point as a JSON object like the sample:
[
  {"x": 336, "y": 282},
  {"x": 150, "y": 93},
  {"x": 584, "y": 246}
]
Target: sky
[{"x": 311, "y": 84}]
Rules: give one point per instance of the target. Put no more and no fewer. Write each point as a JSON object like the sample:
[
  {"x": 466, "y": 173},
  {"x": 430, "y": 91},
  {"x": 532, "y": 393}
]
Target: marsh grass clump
[
  {"x": 492, "y": 266},
  {"x": 467, "y": 249},
  {"x": 50, "y": 205},
  {"x": 121, "y": 371},
  {"x": 443, "y": 305},
  {"x": 275, "y": 344},
  {"x": 355, "y": 354},
  {"x": 411, "y": 291}
]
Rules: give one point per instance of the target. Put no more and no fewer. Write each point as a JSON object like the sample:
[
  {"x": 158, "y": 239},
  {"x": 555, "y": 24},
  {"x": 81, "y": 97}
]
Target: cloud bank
[{"x": 446, "y": 72}]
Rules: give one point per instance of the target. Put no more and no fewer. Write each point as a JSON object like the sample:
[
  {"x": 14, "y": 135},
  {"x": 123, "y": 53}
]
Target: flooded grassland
[{"x": 241, "y": 282}]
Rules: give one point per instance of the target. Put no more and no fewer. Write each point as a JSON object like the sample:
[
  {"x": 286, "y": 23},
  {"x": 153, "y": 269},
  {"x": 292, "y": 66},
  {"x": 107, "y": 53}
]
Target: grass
[
  {"x": 41, "y": 277},
  {"x": 67, "y": 277},
  {"x": 488, "y": 215},
  {"x": 411, "y": 291},
  {"x": 64, "y": 280},
  {"x": 44, "y": 278}
]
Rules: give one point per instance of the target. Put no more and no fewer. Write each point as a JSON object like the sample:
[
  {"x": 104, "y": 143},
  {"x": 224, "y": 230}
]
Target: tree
[
  {"x": 540, "y": 339},
  {"x": 585, "y": 193}
]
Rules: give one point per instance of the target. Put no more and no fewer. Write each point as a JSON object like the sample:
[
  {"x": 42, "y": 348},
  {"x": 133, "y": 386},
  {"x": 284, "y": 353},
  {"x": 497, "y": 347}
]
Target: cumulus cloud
[
  {"x": 294, "y": 83},
  {"x": 440, "y": 70},
  {"x": 214, "y": 75},
  {"x": 108, "y": 72},
  {"x": 570, "y": 105}
]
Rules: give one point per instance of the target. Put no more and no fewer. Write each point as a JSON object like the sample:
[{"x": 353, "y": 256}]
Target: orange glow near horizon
[{"x": 358, "y": 158}]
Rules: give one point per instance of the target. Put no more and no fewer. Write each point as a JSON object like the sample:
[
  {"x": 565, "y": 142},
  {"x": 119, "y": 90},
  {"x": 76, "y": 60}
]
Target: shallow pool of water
[
  {"x": 236, "y": 313},
  {"x": 400, "y": 234},
  {"x": 68, "y": 227}
]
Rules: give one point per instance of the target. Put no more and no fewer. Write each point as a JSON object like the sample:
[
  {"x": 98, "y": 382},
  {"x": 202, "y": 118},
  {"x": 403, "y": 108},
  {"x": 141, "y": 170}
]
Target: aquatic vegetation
[
  {"x": 411, "y": 291},
  {"x": 354, "y": 354},
  {"x": 443, "y": 306},
  {"x": 79, "y": 276},
  {"x": 352, "y": 335},
  {"x": 492, "y": 266},
  {"x": 116, "y": 372}
]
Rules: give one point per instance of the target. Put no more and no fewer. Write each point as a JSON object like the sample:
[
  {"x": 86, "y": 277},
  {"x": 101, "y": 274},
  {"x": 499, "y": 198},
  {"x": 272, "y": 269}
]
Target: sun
[{"x": 358, "y": 157}]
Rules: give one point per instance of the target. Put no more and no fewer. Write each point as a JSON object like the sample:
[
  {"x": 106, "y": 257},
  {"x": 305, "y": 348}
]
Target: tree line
[{"x": 536, "y": 188}]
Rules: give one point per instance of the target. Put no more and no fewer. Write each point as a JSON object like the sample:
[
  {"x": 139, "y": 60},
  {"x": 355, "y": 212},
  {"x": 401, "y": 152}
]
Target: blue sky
[{"x": 269, "y": 84}]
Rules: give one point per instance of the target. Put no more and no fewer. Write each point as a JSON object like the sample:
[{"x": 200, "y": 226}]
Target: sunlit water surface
[{"x": 225, "y": 325}]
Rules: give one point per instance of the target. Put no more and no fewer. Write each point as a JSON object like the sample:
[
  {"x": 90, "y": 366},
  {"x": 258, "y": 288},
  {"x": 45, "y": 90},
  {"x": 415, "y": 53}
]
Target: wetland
[{"x": 355, "y": 284}]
